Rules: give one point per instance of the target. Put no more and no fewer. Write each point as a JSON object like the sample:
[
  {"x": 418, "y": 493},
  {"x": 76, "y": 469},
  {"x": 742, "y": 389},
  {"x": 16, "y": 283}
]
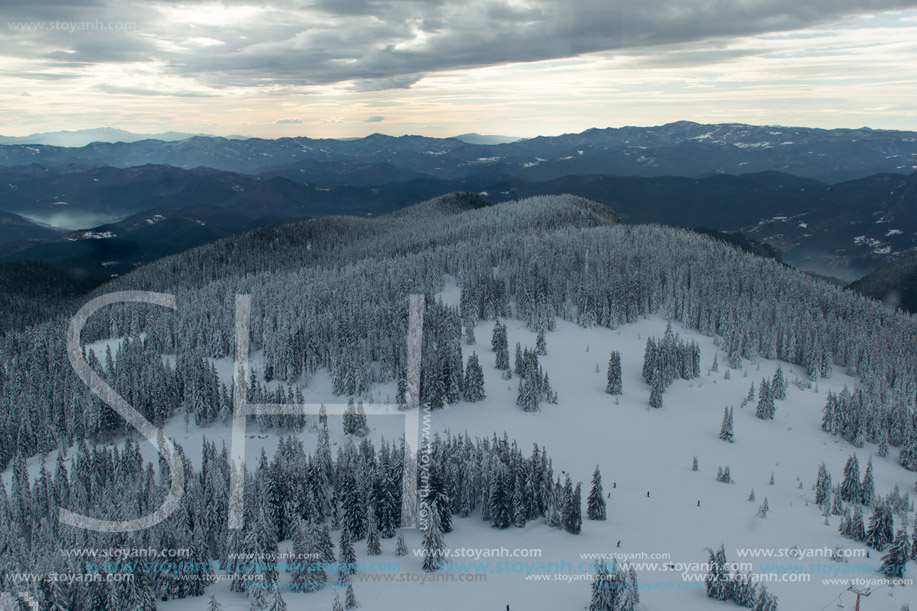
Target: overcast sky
[{"x": 338, "y": 68}]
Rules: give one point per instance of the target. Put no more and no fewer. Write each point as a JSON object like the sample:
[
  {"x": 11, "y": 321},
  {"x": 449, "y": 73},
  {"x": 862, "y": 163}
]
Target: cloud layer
[
  {"x": 525, "y": 67},
  {"x": 375, "y": 44}
]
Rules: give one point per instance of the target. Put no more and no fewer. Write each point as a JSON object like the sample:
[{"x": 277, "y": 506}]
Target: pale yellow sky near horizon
[{"x": 858, "y": 71}]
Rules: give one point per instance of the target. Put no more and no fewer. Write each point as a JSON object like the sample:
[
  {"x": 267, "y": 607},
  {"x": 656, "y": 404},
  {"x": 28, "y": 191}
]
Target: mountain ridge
[{"x": 681, "y": 148}]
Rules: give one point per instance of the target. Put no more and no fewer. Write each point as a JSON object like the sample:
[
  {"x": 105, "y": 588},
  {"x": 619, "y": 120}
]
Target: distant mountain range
[
  {"x": 842, "y": 230},
  {"x": 839, "y": 203},
  {"x": 82, "y": 137},
  {"x": 677, "y": 149},
  {"x": 473, "y": 138}
]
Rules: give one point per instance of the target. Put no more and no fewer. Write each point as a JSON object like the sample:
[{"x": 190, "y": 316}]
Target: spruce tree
[
  {"x": 541, "y": 346},
  {"x": 850, "y": 488},
  {"x": 257, "y": 596},
  {"x": 908, "y": 455},
  {"x": 500, "y": 510},
  {"x": 765, "y": 409},
  {"x": 360, "y": 426},
  {"x": 438, "y": 499},
  {"x": 845, "y": 527},
  {"x": 469, "y": 313},
  {"x": 385, "y": 501},
  {"x": 868, "y": 487},
  {"x": 822, "y": 485},
  {"x": 277, "y": 603},
  {"x": 631, "y": 591},
  {"x": 434, "y": 546},
  {"x": 527, "y": 397},
  {"x": 308, "y": 577},
  {"x": 717, "y": 581},
  {"x": 766, "y": 601},
  {"x": 912, "y": 554},
  {"x": 350, "y": 600},
  {"x": 745, "y": 591},
  {"x": 857, "y": 526},
  {"x": 474, "y": 380},
  {"x": 880, "y": 532},
  {"x": 347, "y": 557},
  {"x": 401, "y": 549},
  {"x": 603, "y": 590},
  {"x": 354, "y": 507},
  {"x": 595, "y": 504},
  {"x": 350, "y": 418},
  {"x": 837, "y": 506},
  {"x": 882, "y": 450},
  {"x": 778, "y": 385},
  {"x": 518, "y": 508},
  {"x": 894, "y": 562},
  {"x": 572, "y": 511},
  {"x": 656, "y": 390},
  {"x": 649, "y": 361},
  {"x": 373, "y": 547},
  {"x": 726, "y": 426},
  {"x": 500, "y": 346},
  {"x": 614, "y": 383}
]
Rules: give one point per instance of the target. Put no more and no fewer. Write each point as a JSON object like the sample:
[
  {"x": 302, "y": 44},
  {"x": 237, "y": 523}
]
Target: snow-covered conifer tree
[
  {"x": 880, "y": 532},
  {"x": 595, "y": 503},
  {"x": 434, "y": 546},
  {"x": 765, "y": 409},
  {"x": 474, "y": 380},
  {"x": 656, "y": 390},
  {"x": 614, "y": 384},
  {"x": 850, "y": 487},
  {"x": 868, "y": 487},
  {"x": 726, "y": 427},
  {"x": 895, "y": 560},
  {"x": 822, "y": 485}
]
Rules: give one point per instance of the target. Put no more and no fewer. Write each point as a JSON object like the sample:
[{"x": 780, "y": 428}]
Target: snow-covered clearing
[{"x": 639, "y": 450}]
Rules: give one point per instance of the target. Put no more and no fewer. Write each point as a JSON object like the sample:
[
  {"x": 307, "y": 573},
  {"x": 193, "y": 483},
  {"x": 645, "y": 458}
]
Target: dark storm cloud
[
  {"x": 395, "y": 82},
  {"x": 47, "y": 10},
  {"x": 116, "y": 89},
  {"x": 383, "y": 44},
  {"x": 677, "y": 56}
]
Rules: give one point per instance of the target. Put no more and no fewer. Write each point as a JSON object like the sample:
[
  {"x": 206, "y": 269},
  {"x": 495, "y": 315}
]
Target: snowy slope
[{"x": 639, "y": 449}]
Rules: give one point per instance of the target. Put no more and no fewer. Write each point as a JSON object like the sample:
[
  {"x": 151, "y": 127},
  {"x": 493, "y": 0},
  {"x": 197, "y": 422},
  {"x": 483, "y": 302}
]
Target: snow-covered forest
[{"x": 555, "y": 339}]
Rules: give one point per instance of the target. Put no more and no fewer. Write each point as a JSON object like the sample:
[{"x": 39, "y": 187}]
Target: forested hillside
[{"x": 329, "y": 297}]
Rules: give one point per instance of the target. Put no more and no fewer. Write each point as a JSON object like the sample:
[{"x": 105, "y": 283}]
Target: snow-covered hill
[
  {"x": 664, "y": 513},
  {"x": 639, "y": 450}
]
